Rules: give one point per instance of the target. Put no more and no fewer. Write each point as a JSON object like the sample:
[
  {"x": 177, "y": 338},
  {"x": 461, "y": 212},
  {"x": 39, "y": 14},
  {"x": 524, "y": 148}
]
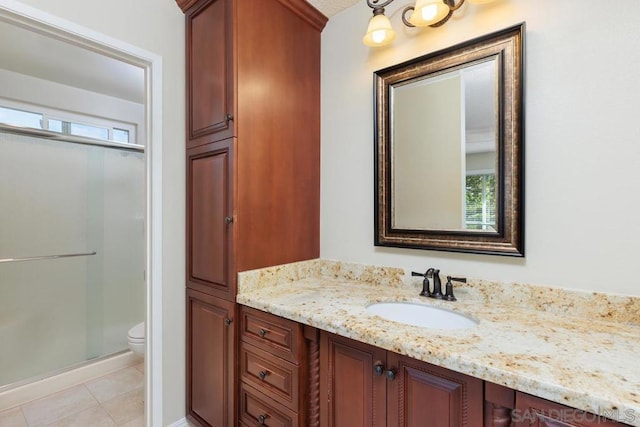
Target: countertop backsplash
[{"x": 556, "y": 300}]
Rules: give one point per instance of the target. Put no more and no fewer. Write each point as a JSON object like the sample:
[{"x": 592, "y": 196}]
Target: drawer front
[
  {"x": 271, "y": 333},
  {"x": 258, "y": 410},
  {"x": 269, "y": 374}
]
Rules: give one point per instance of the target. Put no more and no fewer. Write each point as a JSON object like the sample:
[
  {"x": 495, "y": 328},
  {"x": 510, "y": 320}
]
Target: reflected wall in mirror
[{"x": 449, "y": 148}]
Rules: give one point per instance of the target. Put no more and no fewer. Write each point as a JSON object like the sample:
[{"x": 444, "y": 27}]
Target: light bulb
[
  {"x": 429, "y": 12},
  {"x": 378, "y": 36}
]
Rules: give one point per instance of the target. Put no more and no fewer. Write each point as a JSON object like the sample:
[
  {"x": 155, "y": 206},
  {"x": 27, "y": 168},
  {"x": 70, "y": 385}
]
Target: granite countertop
[{"x": 582, "y": 351}]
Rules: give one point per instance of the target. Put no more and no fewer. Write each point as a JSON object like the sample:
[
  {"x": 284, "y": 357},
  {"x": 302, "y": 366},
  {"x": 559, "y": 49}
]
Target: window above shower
[{"x": 65, "y": 123}]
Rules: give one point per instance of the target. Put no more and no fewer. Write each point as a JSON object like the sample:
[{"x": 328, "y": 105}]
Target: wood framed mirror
[{"x": 449, "y": 148}]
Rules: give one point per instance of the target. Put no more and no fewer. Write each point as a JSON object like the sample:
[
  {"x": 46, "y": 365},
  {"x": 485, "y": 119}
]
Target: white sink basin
[{"x": 421, "y": 315}]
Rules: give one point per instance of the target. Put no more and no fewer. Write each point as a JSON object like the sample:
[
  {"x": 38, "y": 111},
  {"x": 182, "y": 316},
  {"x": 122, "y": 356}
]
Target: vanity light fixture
[{"x": 425, "y": 13}]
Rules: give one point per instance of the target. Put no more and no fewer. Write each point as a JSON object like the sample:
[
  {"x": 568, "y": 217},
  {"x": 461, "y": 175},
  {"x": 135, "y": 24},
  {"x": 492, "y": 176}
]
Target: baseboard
[
  {"x": 24, "y": 393},
  {"x": 180, "y": 423}
]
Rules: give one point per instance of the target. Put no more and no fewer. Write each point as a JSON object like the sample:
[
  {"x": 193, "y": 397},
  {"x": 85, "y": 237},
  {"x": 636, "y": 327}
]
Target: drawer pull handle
[
  {"x": 262, "y": 332},
  {"x": 262, "y": 419},
  {"x": 263, "y": 374}
]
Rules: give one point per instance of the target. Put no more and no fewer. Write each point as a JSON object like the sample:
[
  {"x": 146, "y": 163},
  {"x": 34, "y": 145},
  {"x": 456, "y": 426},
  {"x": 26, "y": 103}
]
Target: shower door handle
[{"x": 36, "y": 258}]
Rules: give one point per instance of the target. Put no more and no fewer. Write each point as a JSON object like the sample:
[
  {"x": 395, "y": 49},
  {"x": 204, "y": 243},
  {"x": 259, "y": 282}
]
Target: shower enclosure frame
[{"x": 28, "y": 17}]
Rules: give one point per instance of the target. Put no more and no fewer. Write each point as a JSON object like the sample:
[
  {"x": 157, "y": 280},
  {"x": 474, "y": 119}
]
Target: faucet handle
[
  {"x": 426, "y": 291},
  {"x": 448, "y": 295}
]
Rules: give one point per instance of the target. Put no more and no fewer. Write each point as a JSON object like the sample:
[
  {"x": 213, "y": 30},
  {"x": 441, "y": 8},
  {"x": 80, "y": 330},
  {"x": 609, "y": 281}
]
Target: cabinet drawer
[
  {"x": 274, "y": 334},
  {"x": 271, "y": 375},
  {"x": 258, "y": 410}
]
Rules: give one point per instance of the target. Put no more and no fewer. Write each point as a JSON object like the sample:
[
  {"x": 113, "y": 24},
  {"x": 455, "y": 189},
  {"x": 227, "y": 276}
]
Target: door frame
[{"x": 29, "y": 17}]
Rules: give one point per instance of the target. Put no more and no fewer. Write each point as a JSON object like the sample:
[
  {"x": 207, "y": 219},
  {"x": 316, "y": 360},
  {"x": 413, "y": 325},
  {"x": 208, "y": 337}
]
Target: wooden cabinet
[
  {"x": 499, "y": 402},
  {"x": 253, "y": 170},
  {"x": 210, "y": 359},
  {"x": 253, "y": 137},
  {"x": 352, "y": 393},
  {"x": 276, "y": 371},
  {"x": 536, "y": 412},
  {"x": 209, "y": 56},
  {"x": 210, "y": 231},
  {"x": 426, "y": 395},
  {"x": 367, "y": 386}
]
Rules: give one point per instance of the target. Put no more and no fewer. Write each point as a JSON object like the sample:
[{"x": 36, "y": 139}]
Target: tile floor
[{"x": 116, "y": 399}]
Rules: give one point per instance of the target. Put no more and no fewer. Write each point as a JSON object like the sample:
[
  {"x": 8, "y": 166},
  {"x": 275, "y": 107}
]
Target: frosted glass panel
[{"x": 61, "y": 198}]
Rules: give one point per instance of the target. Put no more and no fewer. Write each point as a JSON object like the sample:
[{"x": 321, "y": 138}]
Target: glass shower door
[{"x": 62, "y": 198}]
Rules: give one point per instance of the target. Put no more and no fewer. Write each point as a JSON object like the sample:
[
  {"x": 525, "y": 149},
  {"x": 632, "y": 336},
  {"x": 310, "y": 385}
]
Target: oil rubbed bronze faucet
[{"x": 434, "y": 274}]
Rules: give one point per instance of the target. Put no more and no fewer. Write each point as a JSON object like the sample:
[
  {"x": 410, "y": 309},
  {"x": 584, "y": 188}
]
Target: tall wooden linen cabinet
[{"x": 253, "y": 171}]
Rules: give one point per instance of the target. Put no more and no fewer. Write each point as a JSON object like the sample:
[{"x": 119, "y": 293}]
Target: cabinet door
[
  {"x": 536, "y": 412},
  {"x": 423, "y": 395},
  {"x": 210, "y": 267},
  {"x": 355, "y": 395},
  {"x": 211, "y": 341},
  {"x": 209, "y": 50}
]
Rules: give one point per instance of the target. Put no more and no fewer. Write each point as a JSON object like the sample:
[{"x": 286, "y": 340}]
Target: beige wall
[
  {"x": 582, "y": 141},
  {"x": 156, "y": 26}
]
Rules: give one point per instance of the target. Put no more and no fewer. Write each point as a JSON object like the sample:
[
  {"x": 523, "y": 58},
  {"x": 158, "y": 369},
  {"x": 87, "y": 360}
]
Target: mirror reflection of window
[{"x": 481, "y": 202}]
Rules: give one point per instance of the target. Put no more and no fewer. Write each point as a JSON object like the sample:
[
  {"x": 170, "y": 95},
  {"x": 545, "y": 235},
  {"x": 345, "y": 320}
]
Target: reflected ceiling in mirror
[{"x": 449, "y": 148}]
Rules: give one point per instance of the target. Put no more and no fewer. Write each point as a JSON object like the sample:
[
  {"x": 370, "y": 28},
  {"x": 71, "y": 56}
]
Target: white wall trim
[
  {"x": 20, "y": 14},
  {"x": 182, "y": 422}
]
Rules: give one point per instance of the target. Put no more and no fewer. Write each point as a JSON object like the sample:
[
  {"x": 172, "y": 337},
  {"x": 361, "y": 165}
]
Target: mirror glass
[
  {"x": 443, "y": 130},
  {"x": 449, "y": 148}
]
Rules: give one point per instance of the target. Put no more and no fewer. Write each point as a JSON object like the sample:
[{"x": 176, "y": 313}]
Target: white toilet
[{"x": 135, "y": 338}]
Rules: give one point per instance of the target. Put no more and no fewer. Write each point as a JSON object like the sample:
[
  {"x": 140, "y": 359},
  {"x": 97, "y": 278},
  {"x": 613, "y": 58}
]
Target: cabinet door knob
[
  {"x": 229, "y": 117},
  {"x": 262, "y": 332},
  {"x": 262, "y": 419},
  {"x": 228, "y": 219},
  {"x": 227, "y": 321},
  {"x": 378, "y": 368},
  {"x": 263, "y": 374},
  {"x": 391, "y": 374}
]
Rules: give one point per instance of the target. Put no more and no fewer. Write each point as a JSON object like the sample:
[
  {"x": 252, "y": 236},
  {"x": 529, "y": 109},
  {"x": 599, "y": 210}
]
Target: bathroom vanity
[{"x": 528, "y": 363}]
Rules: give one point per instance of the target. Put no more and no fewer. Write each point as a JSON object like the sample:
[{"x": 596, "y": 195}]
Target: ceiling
[
  {"x": 332, "y": 7},
  {"x": 27, "y": 52}
]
